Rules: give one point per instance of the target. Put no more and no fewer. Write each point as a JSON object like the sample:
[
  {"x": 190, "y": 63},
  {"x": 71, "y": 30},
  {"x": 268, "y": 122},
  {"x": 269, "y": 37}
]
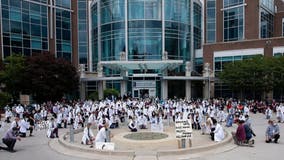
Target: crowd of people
[{"x": 139, "y": 114}]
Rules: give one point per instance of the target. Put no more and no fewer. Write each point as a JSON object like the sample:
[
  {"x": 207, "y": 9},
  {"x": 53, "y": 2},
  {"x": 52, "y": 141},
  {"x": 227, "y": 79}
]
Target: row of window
[
  {"x": 211, "y": 21},
  {"x": 142, "y": 9},
  {"x": 18, "y": 41},
  {"x": 219, "y": 62},
  {"x": 19, "y": 50},
  {"x": 197, "y": 12}
]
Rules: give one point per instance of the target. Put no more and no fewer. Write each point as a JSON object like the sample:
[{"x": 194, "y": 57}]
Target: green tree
[
  {"x": 5, "y": 98},
  {"x": 12, "y": 74},
  {"x": 257, "y": 75},
  {"x": 48, "y": 78},
  {"x": 109, "y": 92}
]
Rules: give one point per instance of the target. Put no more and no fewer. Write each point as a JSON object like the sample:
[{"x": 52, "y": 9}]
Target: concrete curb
[
  {"x": 63, "y": 140},
  {"x": 198, "y": 149}
]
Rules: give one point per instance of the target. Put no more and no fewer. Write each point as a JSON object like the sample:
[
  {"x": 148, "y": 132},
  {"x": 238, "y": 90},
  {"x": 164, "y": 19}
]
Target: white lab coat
[
  {"x": 86, "y": 136},
  {"x": 51, "y": 128},
  {"x": 218, "y": 133},
  {"x": 101, "y": 135},
  {"x": 24, "y": 125}
]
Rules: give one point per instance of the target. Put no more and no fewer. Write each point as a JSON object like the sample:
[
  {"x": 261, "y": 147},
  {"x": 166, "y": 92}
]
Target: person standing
[{"x": 10, "y": 139}]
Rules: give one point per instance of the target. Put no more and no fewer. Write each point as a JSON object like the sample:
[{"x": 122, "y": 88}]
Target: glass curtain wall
[
  {"x": 144, "y": 30},
  {"x": 94, "y": 32},
  {"x": 24, "y": 27},
  {"x": 177, "y": 29},
  {"x": 63, "y": 30},
  {"x": 197, "y": 14},
  {"x": 83, "y": 32},
  {"x": 112, "y": 29}
]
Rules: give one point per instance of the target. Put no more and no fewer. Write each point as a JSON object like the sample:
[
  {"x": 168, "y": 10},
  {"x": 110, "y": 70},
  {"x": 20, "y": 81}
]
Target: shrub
[
  {"x": 109, "y": 92},
  {"x": 5, "y": 98}
]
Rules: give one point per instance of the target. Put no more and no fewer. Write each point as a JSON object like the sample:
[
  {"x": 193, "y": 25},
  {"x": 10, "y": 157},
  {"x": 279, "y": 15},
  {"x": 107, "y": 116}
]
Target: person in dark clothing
[
  {"x": 32, "y": 123},
  {"x": 10, "y": 139}
]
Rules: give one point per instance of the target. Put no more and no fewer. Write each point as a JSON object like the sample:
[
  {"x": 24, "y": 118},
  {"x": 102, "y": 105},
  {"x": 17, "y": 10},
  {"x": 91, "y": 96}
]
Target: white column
[
  {"x": 188, "y": 69},
  {"x": 188, "y": 89},
  {"x": 126, "y": 28},
  {"x": 90, "y": 50},
  {"x": 164, "y": 89},
  {"x": 207, "y": 87},
  {"x": 82, "y": 90},
  {"x": 123, "y": 88},
  {"x": 163, "y": 29},
  {"x": 101, "y": 89}
]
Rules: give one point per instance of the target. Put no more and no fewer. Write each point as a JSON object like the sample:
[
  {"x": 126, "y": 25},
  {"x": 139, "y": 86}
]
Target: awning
[
  {"x": 142, "y": 65},
  {"x": 192, "y": 78},
  {"x": 103, "y": 78}
]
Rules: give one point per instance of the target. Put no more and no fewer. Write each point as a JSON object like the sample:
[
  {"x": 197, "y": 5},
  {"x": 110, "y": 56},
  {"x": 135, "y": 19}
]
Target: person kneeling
[
  {"x": 272, "y": 132},
  {"x": 52, "y": 129},
  {"x": 10, "y": 139},
  {"x": 88, "y": 136},
  {"x": 132, "y": 125}
]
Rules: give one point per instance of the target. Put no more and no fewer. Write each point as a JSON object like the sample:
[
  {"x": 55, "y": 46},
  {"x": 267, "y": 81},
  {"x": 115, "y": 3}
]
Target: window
[
  {"x": 283, "y": 27},
  {"x": 234, "y": 24},
  {"x": 268, "y": 4},
  {"x": 211, "y": 21},
  {"x": 229, "y": 3},
  {"x": 266, "y": 24}
]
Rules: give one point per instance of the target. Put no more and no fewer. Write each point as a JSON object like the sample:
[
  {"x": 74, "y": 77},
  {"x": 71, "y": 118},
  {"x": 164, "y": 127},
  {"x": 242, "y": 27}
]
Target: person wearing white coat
[
  {"x": 102, "y": 135},
  {"x": 52, "y": 129},
  {"x": 218, "y": 133},
  {"x": 88, "y": 136},
  {"x": 24, "y": 125}
]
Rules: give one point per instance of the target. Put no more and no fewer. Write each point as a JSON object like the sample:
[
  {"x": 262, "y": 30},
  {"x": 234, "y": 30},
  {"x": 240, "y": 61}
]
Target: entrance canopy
[{"x": 142, "y": 65}]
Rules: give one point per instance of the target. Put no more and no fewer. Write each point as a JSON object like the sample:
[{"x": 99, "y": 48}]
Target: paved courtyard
[{"x": 37, "y": 147}]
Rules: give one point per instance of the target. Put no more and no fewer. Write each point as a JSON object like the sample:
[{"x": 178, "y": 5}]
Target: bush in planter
[
  {"x": 109, "y": 92},
  {"x": 94, "y": 96},
  {"x": 5, "y": 98}
]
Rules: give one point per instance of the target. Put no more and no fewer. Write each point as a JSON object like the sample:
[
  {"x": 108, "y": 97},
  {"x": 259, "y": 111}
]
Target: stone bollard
[
  {"x": 108, "y": 135},
  {"x": 181, "y": 143},
  {"x": 71, "y": 134}
]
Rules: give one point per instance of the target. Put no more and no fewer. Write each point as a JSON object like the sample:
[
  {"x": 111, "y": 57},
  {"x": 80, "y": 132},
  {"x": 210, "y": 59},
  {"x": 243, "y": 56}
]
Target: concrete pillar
[
  {"x": 123, "y": 88},
  {"x": 100, "y": 83},
  {"x": 188, "y": 69},
  {"x": 164, "y": 89},
  {"x": 188, "y": 89},
  {"x": 83, "y": 90},
  {"x": 101, "y": 89},
  {"x": 82, "y": 83},
  {"x": 207, "y": 87}
]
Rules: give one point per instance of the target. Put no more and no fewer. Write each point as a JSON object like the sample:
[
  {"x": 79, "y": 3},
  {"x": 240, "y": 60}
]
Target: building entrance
[{"x": 143, "y": 89}]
